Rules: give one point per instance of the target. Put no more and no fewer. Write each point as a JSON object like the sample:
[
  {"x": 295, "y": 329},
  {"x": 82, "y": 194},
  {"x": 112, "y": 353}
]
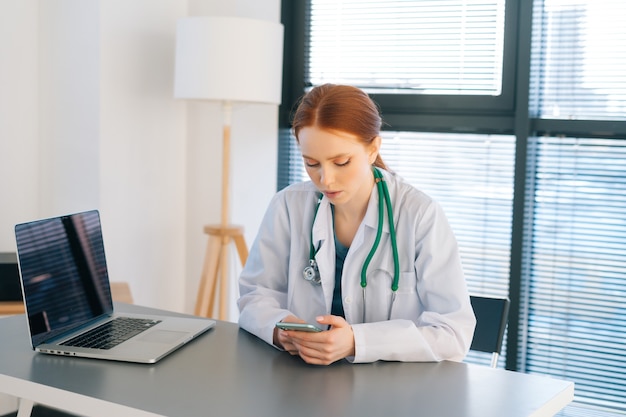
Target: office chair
[{"x": 491, "y": 320}]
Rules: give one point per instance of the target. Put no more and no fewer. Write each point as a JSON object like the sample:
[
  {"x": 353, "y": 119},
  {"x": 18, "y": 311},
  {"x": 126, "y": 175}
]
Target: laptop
[{"x": 67, "y": 297}]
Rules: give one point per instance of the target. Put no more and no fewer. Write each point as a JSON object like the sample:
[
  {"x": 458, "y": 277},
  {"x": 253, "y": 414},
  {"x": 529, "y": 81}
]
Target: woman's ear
[{"x": 374, "y": 148}]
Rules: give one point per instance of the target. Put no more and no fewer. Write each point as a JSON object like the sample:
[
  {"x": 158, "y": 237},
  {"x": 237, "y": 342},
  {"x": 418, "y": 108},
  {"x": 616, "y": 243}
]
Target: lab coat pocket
[
  {"x": 407, "y": 283},
  {"x": 405, "y": 303},
  {"x": 378, "y": 295}
]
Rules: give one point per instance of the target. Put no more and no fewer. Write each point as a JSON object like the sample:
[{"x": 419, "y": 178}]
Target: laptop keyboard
[{"x": 111, "y": 333}]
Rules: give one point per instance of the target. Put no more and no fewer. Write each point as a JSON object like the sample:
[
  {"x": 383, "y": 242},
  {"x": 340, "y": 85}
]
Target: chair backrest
[{"x": 491, "y": 320}]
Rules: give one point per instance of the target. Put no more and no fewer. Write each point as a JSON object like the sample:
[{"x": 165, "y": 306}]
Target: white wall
[
  {"x": 142, "y": 150},
  {"x": 19, "y": 116},
  {"x": 69, "y": 102},
  {"x": 88, "y": 120}
]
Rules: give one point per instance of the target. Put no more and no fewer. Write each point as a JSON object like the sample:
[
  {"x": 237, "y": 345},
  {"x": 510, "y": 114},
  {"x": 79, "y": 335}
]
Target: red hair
[{"x": 340, "y": 107}]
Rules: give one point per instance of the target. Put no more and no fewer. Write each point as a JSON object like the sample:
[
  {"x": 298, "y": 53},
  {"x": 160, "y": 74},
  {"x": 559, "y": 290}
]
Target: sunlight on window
[
  {"x": 580, "y": 56},
  {"x": 429, "y": 47}
]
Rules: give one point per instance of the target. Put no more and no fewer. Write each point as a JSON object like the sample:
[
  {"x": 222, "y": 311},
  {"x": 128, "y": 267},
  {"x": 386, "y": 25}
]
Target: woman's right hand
[{"x": 282, "y": 340}]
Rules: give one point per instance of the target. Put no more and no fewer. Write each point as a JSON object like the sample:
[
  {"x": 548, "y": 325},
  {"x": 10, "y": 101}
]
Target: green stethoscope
[{"x": 311, "y": 273}]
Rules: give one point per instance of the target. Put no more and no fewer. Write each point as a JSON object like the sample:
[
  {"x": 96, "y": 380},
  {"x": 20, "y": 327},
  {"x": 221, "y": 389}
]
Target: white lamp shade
[{"x": 229, "y": 59}]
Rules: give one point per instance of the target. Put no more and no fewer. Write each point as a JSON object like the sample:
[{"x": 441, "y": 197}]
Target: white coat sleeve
[{"x": 264, "y": 279}]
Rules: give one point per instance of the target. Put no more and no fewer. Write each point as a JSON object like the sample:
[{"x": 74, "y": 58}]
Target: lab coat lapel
[
  {"x": 323, "y": 238},
  {"x": 382, "y": 259},
  {"x": 370, "y": 221}
]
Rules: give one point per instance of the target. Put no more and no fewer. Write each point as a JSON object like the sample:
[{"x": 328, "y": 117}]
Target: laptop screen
[{"x": 64, "y": 274}]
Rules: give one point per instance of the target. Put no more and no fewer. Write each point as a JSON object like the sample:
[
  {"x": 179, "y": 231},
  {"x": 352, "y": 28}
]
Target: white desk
[{"x": 228, "y": 372}]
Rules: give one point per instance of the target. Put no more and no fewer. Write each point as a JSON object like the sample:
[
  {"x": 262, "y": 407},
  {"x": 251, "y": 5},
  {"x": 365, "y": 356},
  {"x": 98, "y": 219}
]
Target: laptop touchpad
[{"x": 163, "y": 336}]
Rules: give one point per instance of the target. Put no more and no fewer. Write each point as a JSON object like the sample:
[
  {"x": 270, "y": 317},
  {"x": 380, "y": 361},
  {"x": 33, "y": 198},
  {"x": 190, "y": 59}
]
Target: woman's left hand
[{"x": 325, "y": 347}]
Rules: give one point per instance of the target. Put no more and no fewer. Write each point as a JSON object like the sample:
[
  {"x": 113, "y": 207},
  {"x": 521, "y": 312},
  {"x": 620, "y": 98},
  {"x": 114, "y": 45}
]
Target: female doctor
[{"x": 355, "y": 251}]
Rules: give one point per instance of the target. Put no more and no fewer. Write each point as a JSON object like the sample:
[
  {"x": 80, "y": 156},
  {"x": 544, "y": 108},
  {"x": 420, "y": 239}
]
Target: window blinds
[
  {"x": 433, "y": 47},
  {"x": 574, "y": 310},
  {"x": 576, "y": 301},
  {"x": 579, "y": 59},
  {"x": 471, "y": 177}
]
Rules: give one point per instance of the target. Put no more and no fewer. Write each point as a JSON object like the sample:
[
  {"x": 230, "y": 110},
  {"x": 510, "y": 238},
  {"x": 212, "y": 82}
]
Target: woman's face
[{"x": 339, "y": 164}]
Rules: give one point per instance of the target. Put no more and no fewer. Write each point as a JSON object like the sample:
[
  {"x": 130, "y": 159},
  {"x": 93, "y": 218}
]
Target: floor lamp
[{"x": 230, "y": 60}]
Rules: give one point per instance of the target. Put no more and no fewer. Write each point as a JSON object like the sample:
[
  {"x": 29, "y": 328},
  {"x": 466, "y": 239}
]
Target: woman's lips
[{"x": 331, "y": 194}]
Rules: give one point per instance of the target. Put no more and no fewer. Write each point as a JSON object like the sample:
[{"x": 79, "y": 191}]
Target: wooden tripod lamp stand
[{"x": 230, "y": 60}]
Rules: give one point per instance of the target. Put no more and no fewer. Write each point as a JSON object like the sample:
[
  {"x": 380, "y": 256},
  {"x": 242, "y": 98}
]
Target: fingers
[
  {"x": 282, "y": 338},
  {"x": 292, "y": 319},
  {"x": 304, "y": 344},
  {"x": 321, "y": 348},
  {"x": 320, "y": 356},
  {"x": 334, "y": 321},
  {"x": 326, "y": 347},
  {"x": 287, "y": 342}
]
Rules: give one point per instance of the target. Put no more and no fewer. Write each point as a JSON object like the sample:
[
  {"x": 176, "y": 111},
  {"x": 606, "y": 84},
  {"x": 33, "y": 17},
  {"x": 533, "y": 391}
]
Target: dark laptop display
[{"x": 64, "y": 273}]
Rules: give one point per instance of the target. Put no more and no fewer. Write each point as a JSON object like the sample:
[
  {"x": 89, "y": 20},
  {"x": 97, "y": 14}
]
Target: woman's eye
[
  {"x": 311, "y": 164},
  {"x": 343, "y": 163}
]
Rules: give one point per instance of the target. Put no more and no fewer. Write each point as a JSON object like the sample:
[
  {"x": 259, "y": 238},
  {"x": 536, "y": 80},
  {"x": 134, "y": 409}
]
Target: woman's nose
[{"x": 326, "y": 176}]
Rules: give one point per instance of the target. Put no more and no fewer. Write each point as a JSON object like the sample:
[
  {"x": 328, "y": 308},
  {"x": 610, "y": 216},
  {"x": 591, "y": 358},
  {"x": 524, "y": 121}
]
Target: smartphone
[{"x": 303, "y": 327}]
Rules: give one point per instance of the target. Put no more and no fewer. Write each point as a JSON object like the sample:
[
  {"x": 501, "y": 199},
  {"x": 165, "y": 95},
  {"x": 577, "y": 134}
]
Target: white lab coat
[{"x": 431, "y": 318}]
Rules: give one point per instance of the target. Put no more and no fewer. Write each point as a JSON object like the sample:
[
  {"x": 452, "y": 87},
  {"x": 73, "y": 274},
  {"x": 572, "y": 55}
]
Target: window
[
  {"x": 523, "y": 142},
  {"x": 443, "y": 47},
  {"x": 579, "y": 57},
  {"x": 576, "y": 295},
  {"x": 575, "y": 254}
]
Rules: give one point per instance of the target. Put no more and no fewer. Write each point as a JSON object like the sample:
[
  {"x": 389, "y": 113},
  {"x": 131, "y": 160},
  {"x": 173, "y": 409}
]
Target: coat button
[{"x": 347, "y": 300}]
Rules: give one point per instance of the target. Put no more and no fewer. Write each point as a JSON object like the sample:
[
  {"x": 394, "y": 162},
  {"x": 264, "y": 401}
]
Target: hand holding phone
[{"x": 303, "y": 327}]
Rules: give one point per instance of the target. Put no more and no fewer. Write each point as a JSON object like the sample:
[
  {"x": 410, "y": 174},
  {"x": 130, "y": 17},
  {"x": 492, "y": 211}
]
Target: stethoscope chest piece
[{"x": 311, "y": 273}]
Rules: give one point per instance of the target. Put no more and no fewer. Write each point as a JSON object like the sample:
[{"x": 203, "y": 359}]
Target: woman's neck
[{"x": 348, "y": 217}]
